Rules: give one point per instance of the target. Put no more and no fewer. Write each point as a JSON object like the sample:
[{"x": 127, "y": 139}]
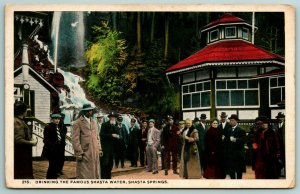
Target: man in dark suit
[
  {"x": 53, "y": 142},
  {"x": 61, "y": 154},
  {"x": 201, "y": 128},
  {"x": 279, "y": 128},
  {"x": 143, "y": 141},
  {"x": 108, "y": 135},
  {"x": 120, "y": 143},
  {"x": 236, "y": 152},
  {"x": 170, "y": 144},
  {"x": 133, "y": 144},
  {"x": 224, "y": 128}
]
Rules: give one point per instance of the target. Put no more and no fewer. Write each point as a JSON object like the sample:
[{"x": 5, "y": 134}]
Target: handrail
[{"x": 38, "y": 130}]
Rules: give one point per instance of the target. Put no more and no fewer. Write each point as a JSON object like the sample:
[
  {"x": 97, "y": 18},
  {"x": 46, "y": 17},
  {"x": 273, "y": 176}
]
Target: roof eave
[
  {"x": 226, "y": 24},
  {"x": 228, "y": 64},
  {"x": 40, "y": 77}
]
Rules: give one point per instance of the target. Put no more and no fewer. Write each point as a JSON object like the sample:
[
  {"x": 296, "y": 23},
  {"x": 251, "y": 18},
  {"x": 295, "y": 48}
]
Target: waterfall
[
  {"x": 68, "y": 39},
  {"x": 71, "y": 101},
  {"x": 67, "y": 34},
  {"x": 80, "y": 37},
  {"x": 54, "y": 35}
]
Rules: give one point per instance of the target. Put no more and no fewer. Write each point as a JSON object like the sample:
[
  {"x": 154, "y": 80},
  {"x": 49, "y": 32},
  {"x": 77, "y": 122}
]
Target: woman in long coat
[
  {"x": 23, "y": 143},
  {"x": 213, "y": 153},
  {"x": 190, "y": 163},
  {"x": 266, "y": 144},
  {"x": 86, "y": 145}
]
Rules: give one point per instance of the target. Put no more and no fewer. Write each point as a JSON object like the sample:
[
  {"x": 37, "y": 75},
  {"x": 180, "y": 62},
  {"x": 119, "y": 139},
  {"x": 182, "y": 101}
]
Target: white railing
[{"x": 38, "y": 132}]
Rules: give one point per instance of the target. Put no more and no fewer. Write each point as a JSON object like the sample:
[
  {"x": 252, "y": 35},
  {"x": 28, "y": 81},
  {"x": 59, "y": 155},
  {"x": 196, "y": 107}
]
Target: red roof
[
  {"x": 226, "y": 18},
  {"x": 227, "y": 51}
]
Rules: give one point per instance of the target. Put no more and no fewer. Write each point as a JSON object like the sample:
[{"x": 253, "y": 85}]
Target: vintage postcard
[{"x": 149, "y": 96}]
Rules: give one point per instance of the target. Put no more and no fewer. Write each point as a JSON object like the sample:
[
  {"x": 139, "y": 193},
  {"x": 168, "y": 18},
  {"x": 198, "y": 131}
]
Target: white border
[{"x": 289, "y": 182}]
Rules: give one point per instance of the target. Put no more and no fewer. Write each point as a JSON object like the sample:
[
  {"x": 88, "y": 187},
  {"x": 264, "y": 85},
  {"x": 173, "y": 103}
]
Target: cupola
[{"x": 227, "y": 27}]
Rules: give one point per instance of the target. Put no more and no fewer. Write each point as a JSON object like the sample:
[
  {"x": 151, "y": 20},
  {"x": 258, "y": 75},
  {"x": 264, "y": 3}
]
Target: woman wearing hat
[
  {"x": 23, "y": 143},
  {"x": 86, "y": 144},
  {"x": 53, "y": 141},
  {"x": 266, "y": 145},
  {"x": 213, "y": 152},
  {"x": 190, "y": 163}
]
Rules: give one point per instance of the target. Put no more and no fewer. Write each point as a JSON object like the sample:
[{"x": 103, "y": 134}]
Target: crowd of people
[{"x": 193, "y": 149}]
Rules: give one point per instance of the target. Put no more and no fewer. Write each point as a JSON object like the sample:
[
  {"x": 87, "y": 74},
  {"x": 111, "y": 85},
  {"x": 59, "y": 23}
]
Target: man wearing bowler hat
[
  {"x": 224, "y": 128},
  {"x": 86, "y": 144},
  {"x": 236, "y": 152},
  {"x": 279, "y": 128},
  {"x": 108, "y": 135}
]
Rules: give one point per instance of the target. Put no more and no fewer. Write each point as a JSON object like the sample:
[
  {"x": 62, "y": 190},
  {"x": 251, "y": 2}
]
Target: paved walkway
[
  {"x": 40, "y": 170},
  {"x": 161, "y": 175}
]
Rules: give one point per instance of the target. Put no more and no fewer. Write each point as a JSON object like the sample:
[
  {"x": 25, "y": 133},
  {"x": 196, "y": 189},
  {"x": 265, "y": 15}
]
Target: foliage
[
  {"x": 151, "y": 86},
  {"x": 106, "y": 56}
]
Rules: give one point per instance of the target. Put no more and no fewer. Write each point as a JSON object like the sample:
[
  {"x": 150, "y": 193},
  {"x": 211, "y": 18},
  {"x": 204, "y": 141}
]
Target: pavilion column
[
  {"x": 212, "y": 94},
  {"x": 264, "y": 98}
]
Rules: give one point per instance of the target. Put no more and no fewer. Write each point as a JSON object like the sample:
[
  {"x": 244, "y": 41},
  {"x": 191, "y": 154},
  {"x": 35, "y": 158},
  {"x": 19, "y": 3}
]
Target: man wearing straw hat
[{"x": 86, "y": 145}]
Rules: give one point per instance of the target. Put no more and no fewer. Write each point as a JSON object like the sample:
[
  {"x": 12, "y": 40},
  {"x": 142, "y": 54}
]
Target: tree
[
  {"x": 166, "y": 36},
  {"x": 106, "y": 57}
]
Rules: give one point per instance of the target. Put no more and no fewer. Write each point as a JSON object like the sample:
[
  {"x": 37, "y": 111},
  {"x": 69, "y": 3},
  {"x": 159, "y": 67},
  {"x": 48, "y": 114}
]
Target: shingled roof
[{"x": 219, "y": 53}]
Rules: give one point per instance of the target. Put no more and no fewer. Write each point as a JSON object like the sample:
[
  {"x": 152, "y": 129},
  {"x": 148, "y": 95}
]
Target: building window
[
  {"x": 230, "y": 32},
  {"x": 202, "y": 75},
  {"x": 188, "y": 77},
  {"x": 226, "y": 72},
  {"x": 214, "y": 35},
  {"x": 247, "y": 72},
  {"x": 237, "y": 93},
  {"x": 245, "y": 33},
  {"x": 277, "y": 90},
  {"x": 196, "y": 95},
  {"x": 186, "y": 101}
]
